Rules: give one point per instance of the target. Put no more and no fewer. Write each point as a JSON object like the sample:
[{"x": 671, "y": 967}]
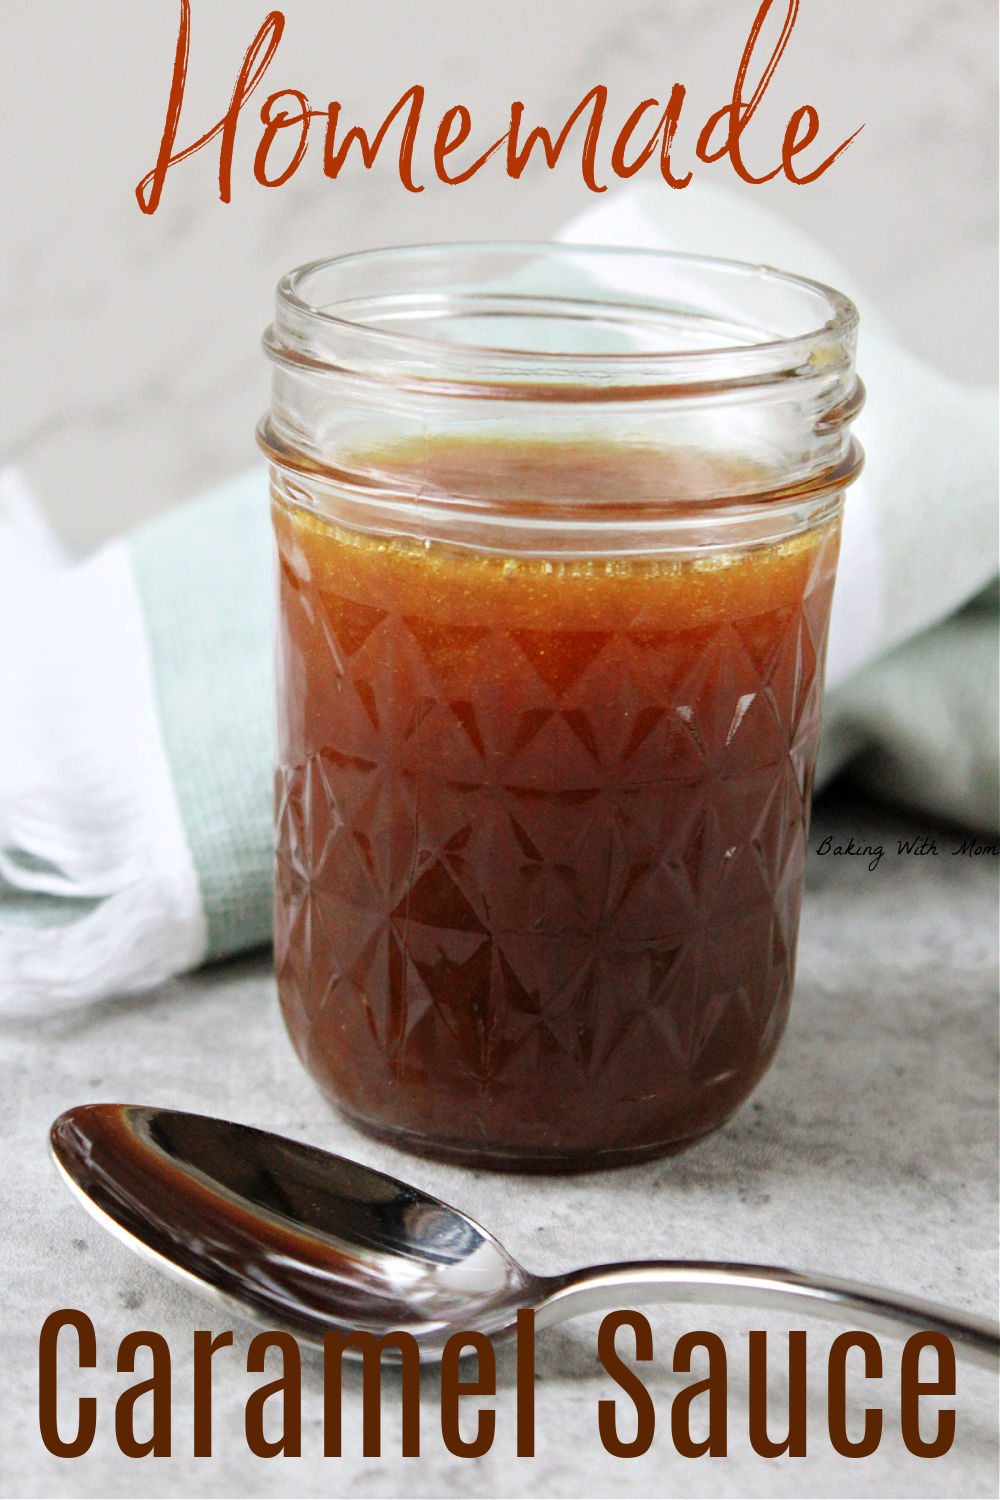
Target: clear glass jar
[{"x": 557, "y": 532}]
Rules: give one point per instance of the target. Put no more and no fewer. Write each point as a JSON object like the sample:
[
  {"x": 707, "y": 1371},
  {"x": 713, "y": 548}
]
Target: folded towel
[{"x": 136, "y": 723}]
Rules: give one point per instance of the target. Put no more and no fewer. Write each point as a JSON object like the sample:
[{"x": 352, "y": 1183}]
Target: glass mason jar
[{"x": 557, "y": 530}]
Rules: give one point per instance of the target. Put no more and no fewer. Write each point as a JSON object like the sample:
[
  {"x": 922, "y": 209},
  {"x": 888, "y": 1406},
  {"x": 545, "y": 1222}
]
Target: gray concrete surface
[{"x": 869, "y": 1151}]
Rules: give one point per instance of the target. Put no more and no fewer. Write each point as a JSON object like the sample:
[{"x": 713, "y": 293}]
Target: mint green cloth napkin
[{"x": 203, "y": 573}]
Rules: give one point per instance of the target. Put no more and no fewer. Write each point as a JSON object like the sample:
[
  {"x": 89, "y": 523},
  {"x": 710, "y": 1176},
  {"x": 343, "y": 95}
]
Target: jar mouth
[
  {"x": 744, "y": 373},
  {"x": 551, "y": 321}
]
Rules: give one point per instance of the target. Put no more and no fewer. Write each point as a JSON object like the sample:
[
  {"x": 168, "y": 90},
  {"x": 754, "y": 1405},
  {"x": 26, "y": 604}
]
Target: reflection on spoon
[{"x": 300, "y": 1239}]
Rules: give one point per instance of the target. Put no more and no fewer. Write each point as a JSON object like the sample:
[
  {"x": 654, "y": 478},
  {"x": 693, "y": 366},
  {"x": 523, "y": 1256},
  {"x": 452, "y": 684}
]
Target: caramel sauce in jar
[{"x": 541, "y": 818}]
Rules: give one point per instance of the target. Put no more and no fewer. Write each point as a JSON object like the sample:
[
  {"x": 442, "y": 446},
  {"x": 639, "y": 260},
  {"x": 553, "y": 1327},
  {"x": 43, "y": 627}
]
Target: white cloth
[{"x": 88, "y": 811}]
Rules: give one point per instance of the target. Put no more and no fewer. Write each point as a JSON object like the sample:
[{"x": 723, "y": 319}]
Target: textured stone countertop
[{"x": 869, "y": 1151}]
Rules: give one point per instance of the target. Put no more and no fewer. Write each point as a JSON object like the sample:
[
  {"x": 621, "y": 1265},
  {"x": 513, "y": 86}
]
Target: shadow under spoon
[{"x": 300, "y": 1239}]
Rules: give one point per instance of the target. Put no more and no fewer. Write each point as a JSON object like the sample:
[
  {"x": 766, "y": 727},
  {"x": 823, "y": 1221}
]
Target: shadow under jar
[{"x": 557, "y": 532}]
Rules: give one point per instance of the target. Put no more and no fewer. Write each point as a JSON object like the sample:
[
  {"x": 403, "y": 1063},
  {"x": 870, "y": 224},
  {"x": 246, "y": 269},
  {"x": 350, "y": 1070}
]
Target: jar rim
[{"x": 326, "y": 318}]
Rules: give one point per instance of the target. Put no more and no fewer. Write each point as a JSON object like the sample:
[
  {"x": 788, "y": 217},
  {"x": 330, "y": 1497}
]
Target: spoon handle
[{"x": 598, "y": 1287}]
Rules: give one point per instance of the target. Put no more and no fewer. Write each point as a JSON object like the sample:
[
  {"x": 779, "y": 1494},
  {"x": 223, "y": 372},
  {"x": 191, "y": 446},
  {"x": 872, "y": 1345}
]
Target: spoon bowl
[
  {"x": 296, "y": 1237},
  {"x": 300, "y": 1239}
]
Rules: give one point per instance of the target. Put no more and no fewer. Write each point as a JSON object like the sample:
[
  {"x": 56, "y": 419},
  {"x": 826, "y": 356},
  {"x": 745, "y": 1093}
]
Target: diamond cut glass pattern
[{"x": 540, "y": 839}]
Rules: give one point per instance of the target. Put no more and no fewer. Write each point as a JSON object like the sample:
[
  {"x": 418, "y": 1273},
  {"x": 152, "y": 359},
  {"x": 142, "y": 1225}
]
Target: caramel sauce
[{"x": 541, "y": 820}]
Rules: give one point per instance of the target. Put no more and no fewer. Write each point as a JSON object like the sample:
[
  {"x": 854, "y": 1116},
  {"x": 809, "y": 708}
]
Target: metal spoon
[{"x": 303, "y": 1240}]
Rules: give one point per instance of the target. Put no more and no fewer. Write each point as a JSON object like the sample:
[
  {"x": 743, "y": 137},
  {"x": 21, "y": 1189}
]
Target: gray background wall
[{"x": 131, "y": 372}]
